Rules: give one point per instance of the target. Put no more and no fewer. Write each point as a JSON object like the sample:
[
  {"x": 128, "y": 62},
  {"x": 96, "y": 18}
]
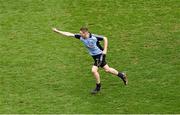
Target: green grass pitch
[{"x": 43, "y": 72}]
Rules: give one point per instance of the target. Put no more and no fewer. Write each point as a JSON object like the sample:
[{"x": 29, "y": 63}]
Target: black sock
[
  {"x": 98, "y": 86},
  {"x": 120, "y": 75}
]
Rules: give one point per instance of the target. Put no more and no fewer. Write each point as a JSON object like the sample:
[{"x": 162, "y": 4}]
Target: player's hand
[
  {"x": 104, "y": 52},
  {"x": 55, "y": 30}
]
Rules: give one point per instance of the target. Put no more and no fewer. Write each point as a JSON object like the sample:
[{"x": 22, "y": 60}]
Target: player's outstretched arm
[{"x": 63, "y": 33}]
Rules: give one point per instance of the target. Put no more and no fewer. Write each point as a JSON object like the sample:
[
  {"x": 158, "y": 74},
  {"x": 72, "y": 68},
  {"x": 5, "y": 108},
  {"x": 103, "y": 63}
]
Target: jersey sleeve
[
  {"x": 99, "y": 38},
  {"x": 77, "y": 36}
]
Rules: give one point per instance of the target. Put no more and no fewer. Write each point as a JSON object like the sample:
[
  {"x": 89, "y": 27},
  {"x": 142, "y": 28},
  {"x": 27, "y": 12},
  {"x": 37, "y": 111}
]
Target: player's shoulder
[{"x": 98, "y": 37}]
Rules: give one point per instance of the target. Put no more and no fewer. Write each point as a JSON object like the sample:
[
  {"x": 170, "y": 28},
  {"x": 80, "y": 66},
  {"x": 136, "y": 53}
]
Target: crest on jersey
[{"x": 91, "y": 44}]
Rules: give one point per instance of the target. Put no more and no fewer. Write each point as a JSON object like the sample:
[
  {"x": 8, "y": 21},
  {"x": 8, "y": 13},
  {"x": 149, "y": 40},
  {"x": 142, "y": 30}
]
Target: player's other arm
[
  {"x": 63, "y": 32},
  {"x": 105, "y": 45},
  {"x": 102, "y": 38}
]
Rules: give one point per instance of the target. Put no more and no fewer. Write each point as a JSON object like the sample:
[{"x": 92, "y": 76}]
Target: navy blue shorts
[{"x": 99, "y": 60}]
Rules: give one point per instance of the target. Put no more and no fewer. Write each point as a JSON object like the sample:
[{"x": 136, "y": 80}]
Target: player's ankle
[
  {"x": 121, "y": 75},
  {"x": 98, "y": 86}
]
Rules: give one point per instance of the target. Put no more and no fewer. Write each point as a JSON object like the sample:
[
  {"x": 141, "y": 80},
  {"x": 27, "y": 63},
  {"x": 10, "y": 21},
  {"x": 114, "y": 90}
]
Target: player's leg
[
  {"x": 96, "y": 74},
  {"x": 110, "y": 70},
  {"x": 113, "y": 71},
  {"x": 97, "y": 77}
]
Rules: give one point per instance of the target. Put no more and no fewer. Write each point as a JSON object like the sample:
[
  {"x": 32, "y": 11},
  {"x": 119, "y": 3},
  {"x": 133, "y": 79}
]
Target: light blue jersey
[{"x": 92, "y": 44}]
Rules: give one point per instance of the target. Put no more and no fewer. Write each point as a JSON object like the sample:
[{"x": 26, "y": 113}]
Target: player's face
[{"x": 84, "y": 34}]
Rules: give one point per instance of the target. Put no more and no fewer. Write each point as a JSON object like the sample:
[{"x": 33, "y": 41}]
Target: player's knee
[{"x": 94, "y": 71}]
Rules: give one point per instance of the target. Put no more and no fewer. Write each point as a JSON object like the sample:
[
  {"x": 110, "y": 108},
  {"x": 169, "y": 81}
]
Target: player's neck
[{"x": 87, "y": 36}]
